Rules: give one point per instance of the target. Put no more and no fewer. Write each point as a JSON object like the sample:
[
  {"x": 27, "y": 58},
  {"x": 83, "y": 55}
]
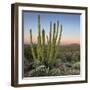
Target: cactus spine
[{"x": 52, "y": 43}]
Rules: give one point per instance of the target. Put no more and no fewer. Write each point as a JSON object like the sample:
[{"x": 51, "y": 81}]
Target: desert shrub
[
  {"x": 55, "y": 72},
  {"x": 27, "y": 53},
  {"x": 41, "y": 70},
  {"x": 76, "y": 65}
]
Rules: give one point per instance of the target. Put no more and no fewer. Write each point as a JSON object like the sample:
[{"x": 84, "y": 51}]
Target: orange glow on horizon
[{"x": 64, "y": 41}]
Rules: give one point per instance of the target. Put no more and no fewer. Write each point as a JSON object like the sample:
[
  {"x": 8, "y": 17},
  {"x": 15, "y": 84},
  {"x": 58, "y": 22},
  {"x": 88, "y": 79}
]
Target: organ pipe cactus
[{"x": 50, "y": 50}]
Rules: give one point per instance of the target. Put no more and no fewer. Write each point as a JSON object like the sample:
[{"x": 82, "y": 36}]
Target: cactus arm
[
  {"x": 54, "y": 43},
  {"x": 30, "y": 36},
  {"x": 60, "y": 35},
  {"x": 31, "y": 45},
  {"x": 47, "y": 39},
  {"x": 43, "y": 45},
  {"x": 39, "y": 40},
  {"x": 49, "y": 42},
  {"x": 43, "y": 37},
  {"x": 57, "y": 29},
  {"x": 52, "y": 52},
  {"x": 50, "y": 33},
  {"x": 58, "y": 41},
  {"x": 54, "y": 30}
]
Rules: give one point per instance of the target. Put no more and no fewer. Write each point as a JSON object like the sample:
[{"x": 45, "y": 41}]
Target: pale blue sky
[{"x": 70, "y": 23}]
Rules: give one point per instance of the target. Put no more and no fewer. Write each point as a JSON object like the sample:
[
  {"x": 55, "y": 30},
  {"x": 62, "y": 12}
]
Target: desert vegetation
[{"x": 48, "y": 57}]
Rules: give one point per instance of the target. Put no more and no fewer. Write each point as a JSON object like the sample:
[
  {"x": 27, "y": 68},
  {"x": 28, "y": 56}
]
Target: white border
[{"x": 56, "y": 78}]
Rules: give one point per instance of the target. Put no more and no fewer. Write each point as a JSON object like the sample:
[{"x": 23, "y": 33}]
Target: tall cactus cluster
[{"x": 47, "y": 45}]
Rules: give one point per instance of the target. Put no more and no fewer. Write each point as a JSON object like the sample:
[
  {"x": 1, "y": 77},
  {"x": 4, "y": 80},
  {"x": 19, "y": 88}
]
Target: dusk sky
[{"x": 70, "y": 23}]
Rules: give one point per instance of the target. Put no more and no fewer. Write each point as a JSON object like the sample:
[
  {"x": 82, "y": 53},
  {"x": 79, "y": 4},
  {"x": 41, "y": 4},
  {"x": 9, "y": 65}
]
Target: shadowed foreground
[{"x": 66, "y": 63}]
